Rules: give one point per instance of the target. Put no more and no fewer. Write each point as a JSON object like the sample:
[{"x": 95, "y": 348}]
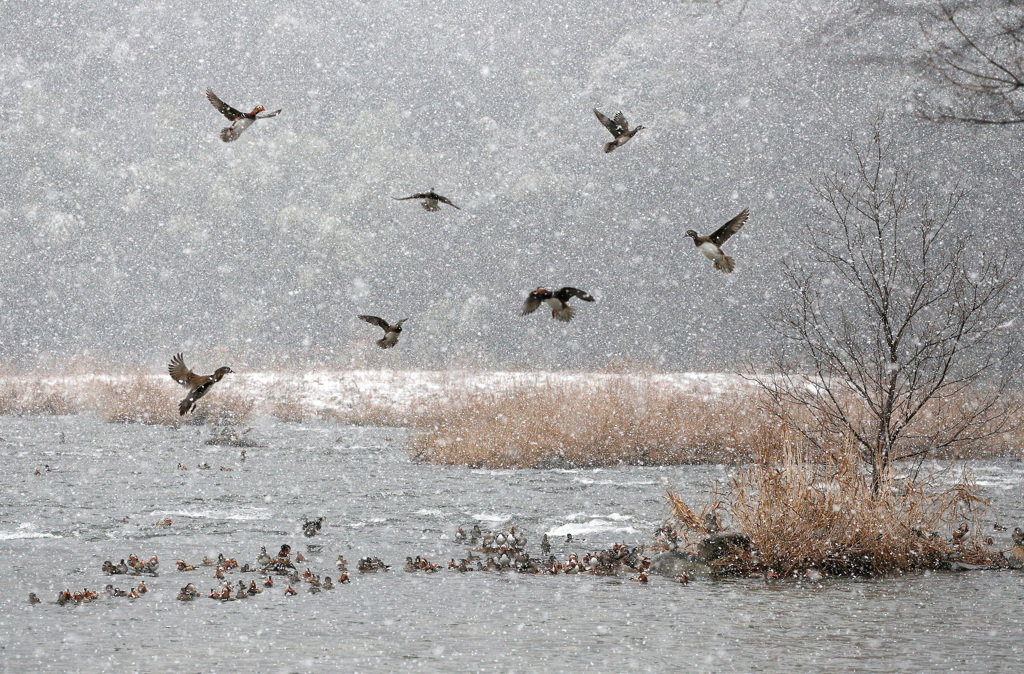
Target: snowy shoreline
[{"x": 394, "y": 390}]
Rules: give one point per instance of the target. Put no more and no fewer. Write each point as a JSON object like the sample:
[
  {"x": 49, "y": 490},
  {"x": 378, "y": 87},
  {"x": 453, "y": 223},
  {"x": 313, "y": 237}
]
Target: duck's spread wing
[
  {"x": 446, "y": 200},
  {"x": 223, "y": 108},
  {"x": 379, "y": 322},
  {"x": 264, "y": 115},
  {"x": 564, "y": 294},
  {"x": 620, "y": 120},
  {"x": 723, "y": 233},
  {"x": 612, "y": 127},
  {"x": 531, "y": 304},
  {"x": 181, "y": 374},
  {"x": 414, "y": 196}
]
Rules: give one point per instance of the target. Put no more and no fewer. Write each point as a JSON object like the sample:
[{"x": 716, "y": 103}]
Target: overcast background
[{"x": 130, "y": 231}]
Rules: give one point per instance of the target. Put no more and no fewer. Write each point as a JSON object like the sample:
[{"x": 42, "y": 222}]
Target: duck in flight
[
  {"x": 197, "y": 385},
  {"x": 391, "y": 332},
  {"x": 240, "y": 121},
  {"x": 711, "y": 245},
  {"x": 558, "y": 301},
  {"x": 619, "y": 128},
  {"x": 430, "y": 200}
]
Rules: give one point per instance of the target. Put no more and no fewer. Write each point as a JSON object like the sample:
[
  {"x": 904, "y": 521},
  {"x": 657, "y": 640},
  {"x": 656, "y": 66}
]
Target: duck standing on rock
[
  {"x": 240, "y": 121},
  {"x": 197, "y": 385},
  {"x": 619, "y": 128},
  {"x": 558, "y": 301},
  {"x": 710, "y": 246},
  {"x": 391, "y": 332}
]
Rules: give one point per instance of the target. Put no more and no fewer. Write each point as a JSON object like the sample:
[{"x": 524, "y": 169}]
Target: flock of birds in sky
[{"x": 556, "y": 300}]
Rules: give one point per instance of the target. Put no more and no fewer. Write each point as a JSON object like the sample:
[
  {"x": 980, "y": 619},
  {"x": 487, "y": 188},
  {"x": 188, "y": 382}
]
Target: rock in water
[
  {"x": 718, "y": 545},
  {"x": 675, "y": 562}
]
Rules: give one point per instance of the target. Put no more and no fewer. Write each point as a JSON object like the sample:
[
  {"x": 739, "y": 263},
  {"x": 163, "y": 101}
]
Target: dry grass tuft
[
  {"x": 616, "y": 421},
  {"x": 143, "y": 400},
  {"x": 823, "y": 515},
  {"x": 29, "y": 396}
]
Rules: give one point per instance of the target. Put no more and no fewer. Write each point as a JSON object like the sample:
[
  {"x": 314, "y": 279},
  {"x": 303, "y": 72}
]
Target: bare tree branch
[
  {"x": 898, "y": 315},
  {"x": 976, "y": 51}
]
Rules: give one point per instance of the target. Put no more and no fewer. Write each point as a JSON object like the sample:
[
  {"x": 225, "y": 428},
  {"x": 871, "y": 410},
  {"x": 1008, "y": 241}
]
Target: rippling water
[{"x": 57, "y": 528}]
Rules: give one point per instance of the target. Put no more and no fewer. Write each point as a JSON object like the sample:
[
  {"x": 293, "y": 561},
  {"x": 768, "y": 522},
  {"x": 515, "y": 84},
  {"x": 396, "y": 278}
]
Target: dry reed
[
  {"x": 143, "y": 400},
  {"x": 33, "y": 397},
  {"x": 823, "y": 515},
  {"x": 617, "y": 421}
]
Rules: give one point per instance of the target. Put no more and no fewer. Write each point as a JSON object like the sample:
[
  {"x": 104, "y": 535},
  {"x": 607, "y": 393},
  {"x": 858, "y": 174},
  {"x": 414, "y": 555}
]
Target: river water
[{"x": 57, "y": 528}]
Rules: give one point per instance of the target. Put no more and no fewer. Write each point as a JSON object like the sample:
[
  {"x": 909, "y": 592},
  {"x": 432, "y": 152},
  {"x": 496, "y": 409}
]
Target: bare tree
[
  {"x": 977, "y": 51},
  {"x": 897, "y": 310}
]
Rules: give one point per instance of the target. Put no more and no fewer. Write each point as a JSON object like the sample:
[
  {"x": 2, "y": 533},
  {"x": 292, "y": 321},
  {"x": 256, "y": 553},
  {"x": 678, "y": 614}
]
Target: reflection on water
[{"x": 58, "y": 527}]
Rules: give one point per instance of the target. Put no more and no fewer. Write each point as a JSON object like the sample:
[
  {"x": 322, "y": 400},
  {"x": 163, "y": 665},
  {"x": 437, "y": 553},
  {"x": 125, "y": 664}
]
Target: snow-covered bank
[{"x": 330, "y": 393}]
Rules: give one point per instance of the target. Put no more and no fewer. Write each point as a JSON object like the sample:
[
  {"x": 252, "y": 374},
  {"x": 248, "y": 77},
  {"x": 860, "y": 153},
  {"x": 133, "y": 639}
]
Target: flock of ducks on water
[
  {"x": 499, "y": 551},
  {"x": 557, "y": 300},
  {"x": 488, "y": 551}
]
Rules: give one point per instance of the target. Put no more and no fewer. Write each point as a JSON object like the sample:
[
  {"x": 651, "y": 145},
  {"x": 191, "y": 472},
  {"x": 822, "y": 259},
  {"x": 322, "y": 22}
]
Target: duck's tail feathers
[
  {"x": 726, "y": 265},
  {"x": 564, "y": 314},
  {"x": 228, "y": 134}
]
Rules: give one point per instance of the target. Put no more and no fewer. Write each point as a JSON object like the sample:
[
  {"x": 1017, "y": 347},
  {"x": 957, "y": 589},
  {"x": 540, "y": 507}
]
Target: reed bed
[
  {"x": 507, "y": 420},
  {"x": 619, "y": 421},
  {"x": 142, "y": 400},
  {"x": 823, "y": 516},
  {"x": 26, "y": 397}
]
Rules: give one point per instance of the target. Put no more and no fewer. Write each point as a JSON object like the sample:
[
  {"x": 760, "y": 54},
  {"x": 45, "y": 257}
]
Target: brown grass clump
[
  {"x": 28, "y": 396},
  {"x": 143, "y": 400},
  {"x": 613, "y": 421},
  {"x": 801, "y": 515}
]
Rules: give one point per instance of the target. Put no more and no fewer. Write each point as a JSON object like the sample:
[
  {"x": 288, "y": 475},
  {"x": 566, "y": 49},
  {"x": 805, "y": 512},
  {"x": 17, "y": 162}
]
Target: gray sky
[{"x": 131, "y": 231}]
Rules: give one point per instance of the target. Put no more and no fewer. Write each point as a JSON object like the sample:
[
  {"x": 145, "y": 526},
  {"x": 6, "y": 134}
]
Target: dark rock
[
  {"x": 719, "y": 545},
  {"x": 675, "y": 562},
  {"x": 1015, "y": 557}
]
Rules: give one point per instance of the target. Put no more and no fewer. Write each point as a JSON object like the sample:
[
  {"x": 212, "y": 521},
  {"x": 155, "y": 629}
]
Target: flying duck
[
  {"x": 197, "y": 385},
  {"x": 240, "y": 121},
  {"x": 619, "y": 128},
  {"x": 711, "y": 245},
  {"x": 557, "y": 300},
  {"x": 391, "y": 332},
  {"x": 430, "y": 200}
]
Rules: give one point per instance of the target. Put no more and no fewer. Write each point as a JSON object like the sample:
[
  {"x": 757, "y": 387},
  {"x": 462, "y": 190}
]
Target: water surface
[{"x": 58, "y": 527}]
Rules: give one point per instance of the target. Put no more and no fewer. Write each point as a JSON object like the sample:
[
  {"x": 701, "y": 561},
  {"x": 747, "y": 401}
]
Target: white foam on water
[
  {"x": 24, "y": 532},
  {"x": 483, "y": 517},
  {"x": 597, "y": 524},
  {"x": 239, "y": 514}
]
